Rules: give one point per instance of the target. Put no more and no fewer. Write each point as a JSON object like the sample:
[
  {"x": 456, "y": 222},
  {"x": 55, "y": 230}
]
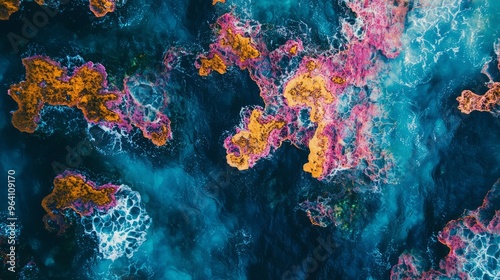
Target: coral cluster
[
  {"x": 254, "y": 141},
  {"x": 208, "y": 64},
  {"x": 234, "y": 45},
  {"x": 98, "y": 7},
  {"x": 488, "y": 102},
  {"x": 218, "y": 1},
  {"x": 468, "y": 101},
  {"x": 48, "y": 84},
  {"x": 74, "y": 191},
  {"x": 322, "y": 104},
  {"x": 145, "y": 99},
  {"x": 341, "y": 210},
  {"x": 473, "y": 243},
  {"x": 114, "y": 214},
  {"x": 8, "y": 7},
  {"x": 319, "y": 212},
  {"x": 101, "y": 7}
]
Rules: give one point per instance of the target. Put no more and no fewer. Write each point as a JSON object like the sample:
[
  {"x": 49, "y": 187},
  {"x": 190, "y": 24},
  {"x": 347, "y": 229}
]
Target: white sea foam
[{"x": 122, "y": 229}]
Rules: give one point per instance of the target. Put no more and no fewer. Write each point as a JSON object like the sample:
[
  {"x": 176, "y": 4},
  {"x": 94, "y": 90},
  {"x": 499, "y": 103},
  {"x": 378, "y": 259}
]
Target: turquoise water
[{"x": 211, "y": 221}]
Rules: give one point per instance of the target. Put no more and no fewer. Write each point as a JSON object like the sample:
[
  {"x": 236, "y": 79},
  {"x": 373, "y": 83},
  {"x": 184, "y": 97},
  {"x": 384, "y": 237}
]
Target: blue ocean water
[{"x": 211, "y": 221}]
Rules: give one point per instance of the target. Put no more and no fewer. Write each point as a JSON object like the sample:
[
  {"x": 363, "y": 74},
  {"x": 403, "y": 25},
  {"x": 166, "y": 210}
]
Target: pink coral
[
  {"x": 74, "y": 191},
  {"x": 319, "y": 212},
  {"x": 473, "y": 242},
  {"x": 48, "y": 84},
  {"x": 338, "y": 132}
]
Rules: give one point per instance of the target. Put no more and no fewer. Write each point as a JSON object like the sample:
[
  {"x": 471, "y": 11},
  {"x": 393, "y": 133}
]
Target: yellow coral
[
  {"x": 159, "y": 138},
  {"x": 215, "y": 63},
  {"x": 469, "y": 101},
  {"x": 101, "y": 7},
  {"x": 73, "y": 188},
  {"x": 310, "y": 91},
  {"x": 242, "y": 46},
  {"x": 311, "y": 65},
  {"x": 253, "y": 141},
  {"x": 8, "y": 7},
  {"x": 317, "y": 153},
  {"x": 47, "y": 84},
  {"x": 338, "y": 80}
]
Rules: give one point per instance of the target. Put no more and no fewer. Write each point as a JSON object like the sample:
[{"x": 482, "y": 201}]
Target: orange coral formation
[
  {"x": 338, "y": 80},
  {"x": 8, "y": 7},
  {"x": 469, "y": 101},
  {"x": 101, "y": 7},
  {"x": 218, "y": 1},
  {"x": 158, "y": 138},
  {"x": 311, "y": 65},
  {"x": 215, "y": 63},
  {"x": 72, "y": 191},
  {"x": 48, "y": 84},
  {"x": 310, "y": 91},
  {"x": 253, "y": 141},
  {"x": 318, "y": 146},
  {"x": 241, "y": 45},
  {"x": 89, "y": 85}
]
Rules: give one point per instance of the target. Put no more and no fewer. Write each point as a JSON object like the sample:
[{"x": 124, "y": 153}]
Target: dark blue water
[{"x": 211, "y": 221}]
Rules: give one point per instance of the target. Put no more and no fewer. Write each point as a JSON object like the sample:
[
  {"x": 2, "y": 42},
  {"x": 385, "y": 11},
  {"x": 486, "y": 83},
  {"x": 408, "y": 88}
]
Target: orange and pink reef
[
  {"x": 469, "y": 101},
  {"x": 49, "y": 84},
  {"x": 98, "y": 7},
  {"x": 473, "y": 244},
  {"x": 324, "y": 104},
  {"x": 488, "y": 102},
  {"x": 106, "y": 211},
  {"x": 73, "y": 191},
  {"x": 101, "y": 7}
]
